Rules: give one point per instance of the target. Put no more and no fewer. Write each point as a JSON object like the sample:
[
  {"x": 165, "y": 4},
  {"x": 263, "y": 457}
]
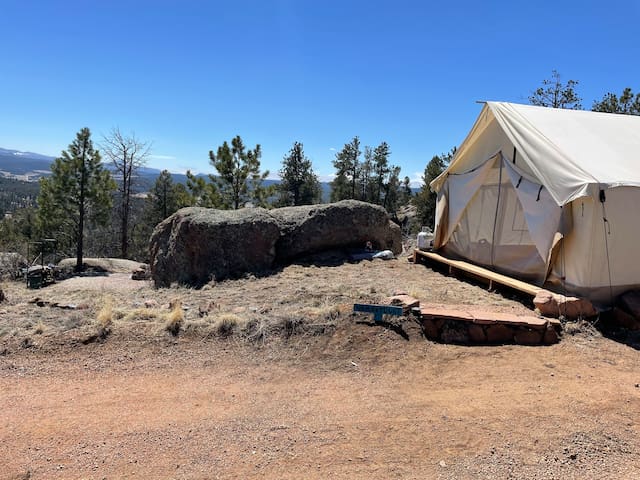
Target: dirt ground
[{"x": 297, "y": 387}]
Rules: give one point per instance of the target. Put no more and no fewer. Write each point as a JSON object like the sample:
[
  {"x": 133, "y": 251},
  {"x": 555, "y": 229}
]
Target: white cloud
[
  {"x": 416, "y": 179},
  {"x": 326, "y": 178}
]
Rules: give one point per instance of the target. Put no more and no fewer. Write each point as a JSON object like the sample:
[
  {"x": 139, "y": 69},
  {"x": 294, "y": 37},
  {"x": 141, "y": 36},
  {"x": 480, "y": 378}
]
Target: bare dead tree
[{"x": 127, "y": 154}]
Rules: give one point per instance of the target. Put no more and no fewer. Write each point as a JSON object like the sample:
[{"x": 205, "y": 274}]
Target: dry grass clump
[
  {"x": 227, "y": 323},
  {"x": 175, "y": 318},
  {"x": 142, "y": 315},
  {"x": 256, "y": 330},
  {"x": 218, "y": 325},
  {"x": 202, "y": 327},
  {"x": 40, "y": 328},
  {"x": 324, "y": 312},
  {"x": 580, "y": 327},
  {"x": 104, "y": 319}
]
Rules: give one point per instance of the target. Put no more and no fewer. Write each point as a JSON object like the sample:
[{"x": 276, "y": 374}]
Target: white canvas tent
[{"x": 548, "y": 195}]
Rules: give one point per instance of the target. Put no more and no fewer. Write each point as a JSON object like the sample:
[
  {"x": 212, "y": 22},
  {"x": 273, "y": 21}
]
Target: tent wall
[{"x": 594, "y": 248}]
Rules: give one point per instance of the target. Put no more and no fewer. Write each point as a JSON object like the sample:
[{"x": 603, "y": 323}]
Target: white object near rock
[
  {"x": 384, "y": 255},
  {"x": 424, "y": 238}
]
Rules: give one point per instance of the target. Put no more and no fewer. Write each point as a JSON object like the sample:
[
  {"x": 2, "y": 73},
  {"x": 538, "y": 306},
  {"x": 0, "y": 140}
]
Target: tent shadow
[{"x": 609, "y": 329}]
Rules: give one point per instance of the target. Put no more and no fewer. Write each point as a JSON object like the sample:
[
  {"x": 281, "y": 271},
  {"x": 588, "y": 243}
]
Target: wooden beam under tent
[{"x": 478, "y": 272}]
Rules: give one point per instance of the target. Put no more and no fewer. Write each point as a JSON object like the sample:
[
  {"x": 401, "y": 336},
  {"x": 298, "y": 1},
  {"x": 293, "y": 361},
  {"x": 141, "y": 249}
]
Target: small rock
[
  {"x": 141, "y": 273},
  {"x": 550, "y": 335},
  {"x": 151, "y": 304},
  {"x": 555, "y": 305}
]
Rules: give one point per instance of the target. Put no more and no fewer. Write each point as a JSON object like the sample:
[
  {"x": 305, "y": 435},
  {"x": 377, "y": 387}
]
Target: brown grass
[
  {"x": 40, "y": 328},
  {"x": 104, "y": 319},
  {"x": 175, "y": 318},
  {"x": 226, "y": 324},
  {"x": 296, "y": 301}
]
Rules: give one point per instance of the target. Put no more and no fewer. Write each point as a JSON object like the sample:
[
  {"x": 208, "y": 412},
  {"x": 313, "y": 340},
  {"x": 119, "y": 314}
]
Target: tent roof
[{"x": 573, "y": 153}]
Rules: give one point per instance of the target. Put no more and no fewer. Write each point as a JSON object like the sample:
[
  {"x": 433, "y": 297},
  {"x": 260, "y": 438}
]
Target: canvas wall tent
[{"x": 548, "y": 195}]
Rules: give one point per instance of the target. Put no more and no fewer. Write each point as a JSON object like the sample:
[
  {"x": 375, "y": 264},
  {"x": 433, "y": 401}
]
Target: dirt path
[{"x": 361, "y": 403}]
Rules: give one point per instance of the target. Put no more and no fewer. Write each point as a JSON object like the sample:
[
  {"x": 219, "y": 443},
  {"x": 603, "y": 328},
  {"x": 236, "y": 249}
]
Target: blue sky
[{"x": 188, "y": 75}]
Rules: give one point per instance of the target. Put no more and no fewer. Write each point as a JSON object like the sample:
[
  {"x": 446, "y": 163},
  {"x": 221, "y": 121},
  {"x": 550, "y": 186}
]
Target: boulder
[
  {"x": 314, "y": 228},
  {"x": 11, "y": 264},
  {"x": 554, "y": 305},
  {"x": 141, "y": 273},
  {"x": 196, "y": 245}
]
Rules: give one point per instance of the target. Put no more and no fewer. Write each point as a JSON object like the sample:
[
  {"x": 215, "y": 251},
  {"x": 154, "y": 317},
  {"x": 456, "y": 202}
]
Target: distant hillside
[
  {"x": 25, "y": 166},
  {"x": 29, "y": 166},
  {"x": 17, "y": 194}
]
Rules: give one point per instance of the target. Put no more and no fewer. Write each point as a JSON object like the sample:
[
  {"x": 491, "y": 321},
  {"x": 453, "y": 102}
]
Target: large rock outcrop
[
  {"x": 313, "y": 228},
  {"x": 196, "y": 245}
]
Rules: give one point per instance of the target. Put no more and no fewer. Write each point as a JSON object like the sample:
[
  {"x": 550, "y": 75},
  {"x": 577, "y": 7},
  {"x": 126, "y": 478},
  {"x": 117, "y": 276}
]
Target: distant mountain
[
  {"x": 26, "y": 166},
  {"x": 29, "y": 167}
]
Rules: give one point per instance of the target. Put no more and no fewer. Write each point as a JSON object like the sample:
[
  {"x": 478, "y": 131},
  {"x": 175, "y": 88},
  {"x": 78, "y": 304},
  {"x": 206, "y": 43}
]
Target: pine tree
[
  {"x": 406, "y": 194},
  {"x": 425, "y": 199},
  {"x": 166, "y": 197},
  {"x": 392, "y": 190},
  {"x": 239, "y": 177},
  {"x": 347, "y": 164},
  {"x": 299, "y": 184},
  {"x": 381, "y": 161},
  {"x": 202, "y": 193},
  {"x": 77, "y": 192},
  {"x": 627, "y": 103},
  {"x": 553, "y": 93}
]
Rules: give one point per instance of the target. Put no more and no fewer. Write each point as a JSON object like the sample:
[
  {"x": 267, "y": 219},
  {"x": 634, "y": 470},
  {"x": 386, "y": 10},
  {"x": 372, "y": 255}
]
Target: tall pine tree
[
  {"x": 298, "y": 185},
  {"x": 347, "y": 165},
  {"x": 77, "y": 193}
]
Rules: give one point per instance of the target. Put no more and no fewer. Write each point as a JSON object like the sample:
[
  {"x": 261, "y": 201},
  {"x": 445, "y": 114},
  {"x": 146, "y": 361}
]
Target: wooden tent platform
[{"x": 478, "y": 272}]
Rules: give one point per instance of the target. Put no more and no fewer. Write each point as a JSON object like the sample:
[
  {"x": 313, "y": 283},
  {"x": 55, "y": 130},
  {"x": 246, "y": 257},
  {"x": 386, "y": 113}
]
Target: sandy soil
[{"x": 354, "y": 400}]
